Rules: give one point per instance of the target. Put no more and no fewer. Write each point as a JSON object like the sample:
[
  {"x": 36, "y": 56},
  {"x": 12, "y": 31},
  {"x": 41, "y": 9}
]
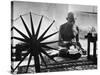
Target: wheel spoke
[
  {"x": 43, "y": 60},
  {"x": 37, "y": 32},
  {"x": 23, "y": 35},
  {"x": 47, "y": 36},
  {"x": 32, "y": 27},
  {"x": 28, "y": 63},
  {"x": 25, "y": 26},
  {"x": 17, "y": 38},
  {"x": 41, "y": 37},
  {"x": 21, "y": 61}
]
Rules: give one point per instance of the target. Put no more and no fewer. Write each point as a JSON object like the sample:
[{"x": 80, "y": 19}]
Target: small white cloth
[{"x": 72, "y": 50}]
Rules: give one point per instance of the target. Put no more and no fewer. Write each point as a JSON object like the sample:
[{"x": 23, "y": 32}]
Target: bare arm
[{"x": 60, "y": 38}]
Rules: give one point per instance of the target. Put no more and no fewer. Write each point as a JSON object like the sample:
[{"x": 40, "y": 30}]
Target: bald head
[{"x": 70, "y": 17}]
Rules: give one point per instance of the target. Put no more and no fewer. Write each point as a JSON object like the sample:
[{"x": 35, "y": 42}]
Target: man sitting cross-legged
[{"x": 68, "y": 37}]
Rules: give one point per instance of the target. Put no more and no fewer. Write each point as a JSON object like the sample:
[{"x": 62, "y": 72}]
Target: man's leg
[{"x": 79, "y": 45}]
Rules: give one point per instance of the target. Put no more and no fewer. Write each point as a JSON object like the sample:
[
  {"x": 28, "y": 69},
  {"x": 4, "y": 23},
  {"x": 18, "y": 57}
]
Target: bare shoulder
[{"x": 62, "y": 25}]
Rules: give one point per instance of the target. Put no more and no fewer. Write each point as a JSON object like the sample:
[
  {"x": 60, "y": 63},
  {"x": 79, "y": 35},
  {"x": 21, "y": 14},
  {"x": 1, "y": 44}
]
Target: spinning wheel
[{"x": 34, "y": 45}]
